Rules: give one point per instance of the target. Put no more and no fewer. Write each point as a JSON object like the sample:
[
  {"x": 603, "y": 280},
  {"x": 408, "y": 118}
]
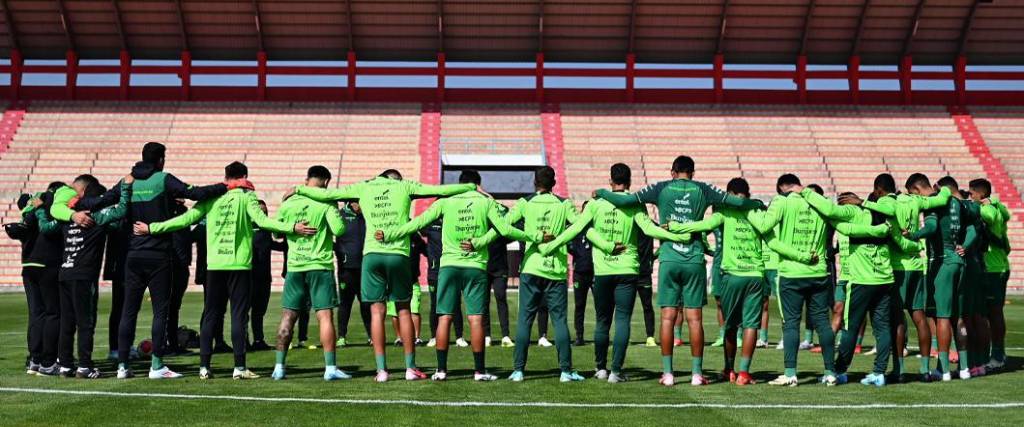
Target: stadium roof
[{"x": 656, "y": 31}]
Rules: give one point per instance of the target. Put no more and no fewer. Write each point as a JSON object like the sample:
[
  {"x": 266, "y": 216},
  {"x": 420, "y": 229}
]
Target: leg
[
  {"x": 432, "y": 287},
  {"x": 670, "y": 297},
  {"x": 791, "y": 304},
  {"x": 179, "y": 283},
  {"x": 556, "y": 294},
  {"x": 997, "y": 319},
  {"x": 581, "y": 287},
  {"x": 646, "y": 294},
  {"x": 136, "y": 276},
  {"x": 215, "y": 295},
  {"x": 34, "y": 298},
  {"x": 604, "y": 309},
  {"x": 304, "y": 324},
  {"x": 500, "y": 286},
  {"x": 530, "y": 297},
  {"x": 347, "y": 290},
  {"x": 458, "y": 321},
  {"x": 66, "y": 338},
  {"x": 820, "y": 305},
  {"x": 116, "y": 308},
  {"x": 881, "y": 313},
  {"x": 284, "y": 330},
  {"x": 160, "y": 296},
  {"x": 85, "y": 312},
  {"x": 694, "y": 300},
  {"x": 260, "y": 302},
  {"x": 625, "y": 299},
  {"x": 240, "y": 288},
  {"x": 444, "y": 322},
  {"x": 542, "y": 318},
  {"x": 50, "y": 290},
  {"x": 378, "y": 311},
  {"x": 857, "y": 305}
]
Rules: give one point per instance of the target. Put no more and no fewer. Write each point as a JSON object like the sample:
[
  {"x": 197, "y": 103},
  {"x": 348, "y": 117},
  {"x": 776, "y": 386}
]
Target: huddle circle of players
[{"x": 953, "y": 296}]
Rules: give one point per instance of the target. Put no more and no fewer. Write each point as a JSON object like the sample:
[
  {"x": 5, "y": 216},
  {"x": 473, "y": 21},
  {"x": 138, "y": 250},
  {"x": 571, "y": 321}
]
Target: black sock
[{"x": 478, "y": 362}]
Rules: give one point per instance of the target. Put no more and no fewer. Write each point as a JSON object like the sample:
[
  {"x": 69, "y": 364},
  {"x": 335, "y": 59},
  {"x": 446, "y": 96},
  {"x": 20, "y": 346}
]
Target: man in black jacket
[
  {"x": 582, "y": 279},
  {"x": 182, "y": 241},
  {"x": 644, "y": 286},
  {"x": 149, "y": 262},
  {"x": 348, "y": 249},
  {"x": 41, "y": 252},
  {"x": 497, "y": 277},
  {"x": 262, "y": 244}
]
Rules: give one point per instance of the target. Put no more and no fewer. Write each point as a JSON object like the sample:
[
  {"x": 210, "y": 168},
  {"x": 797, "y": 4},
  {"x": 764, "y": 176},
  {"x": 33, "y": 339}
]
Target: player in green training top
[
  {"x": 682, "y": 276},
  {"x": 742, "y": 267},
  {"x": 229, "y": 231},
  {"x": 385, "y": 201},
  {"x": 616, "y": 267},
  {"x": 310, "y": 278},
  {"x": 904, "y": 213},
  {"x": 463, "y": 273},
  {"x": 997, "y": 268}
]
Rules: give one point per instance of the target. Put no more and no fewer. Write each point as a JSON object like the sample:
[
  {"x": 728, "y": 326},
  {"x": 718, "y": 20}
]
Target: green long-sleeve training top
[
  {"x": 683, "y": 201},
  {"x": 904, "y": 212},
  {"x": 869, "y": 261},
  {"x": 466, "y": 216},
  {"x": 316, "y": 252},
  {"x": 229, "y": 222},
  {"x": 385, "y": 203},
  {"x": 996, "y": 216},
  {"x": 542, "y": 213},
  {"x": 613, "y": 225},
  {"x": 946, "y": 227}
]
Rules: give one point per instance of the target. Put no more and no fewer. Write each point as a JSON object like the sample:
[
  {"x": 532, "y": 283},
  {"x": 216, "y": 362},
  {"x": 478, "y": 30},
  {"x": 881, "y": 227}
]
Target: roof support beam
[
  {"x": 855, "y": 48},
  {"x": 966, "y": 29},
  {"x": 909, "y": 40},
  {"x": 540, "y": 27},
  {"x": 66, "y": 24},
  {"x": 181, "y": 25},
  {"x": 632, "y": 27},
  {"x": 259, "y": 25},
  {"x": 12, "y": 33},
  {"x": 348, "y": 21},
  {"x": 440, "y": 25},
  {"x": 119, "y": 25},
  {"x": 722, "y": 22},
  {"x": 807, "y": 27}
]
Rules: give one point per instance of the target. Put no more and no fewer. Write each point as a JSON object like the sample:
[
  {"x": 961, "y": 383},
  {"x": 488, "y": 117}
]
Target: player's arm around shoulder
[{"x": 189, "y": 217}]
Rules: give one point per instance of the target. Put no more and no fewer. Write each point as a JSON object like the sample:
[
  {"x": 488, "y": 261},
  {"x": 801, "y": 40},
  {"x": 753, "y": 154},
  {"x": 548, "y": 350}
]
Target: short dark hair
[
  {"x": 683, "y": 164},
  {"x": 817, "y": 188},
  {"x": 95, "y": 189},
  {"x": 153, "y": 152},
  {"x": 86, "y": 179},
  {"x": 846, "y": 194},
  {"x": 470, "y": 176},
  {"x": 55, "y": 185},
  {"x": 982, "y": 185},
  {"x": 236, "y": 170},
  {"x": 319, "y": 172},
  {"x": 786, "y": 179},
  {"x": 392, "y": 174},
  {"x": 918, "y": 180},
  {"x": 23, "y": 200},
  {"x": 621, "y": 174},
  {"x": 948, "y": 181},
  {"x": 544, "y": 178},
  {"x": 738, "y": 186},
  {"x": 885, "y": 182},
  {"x": 261, "y": 202}
]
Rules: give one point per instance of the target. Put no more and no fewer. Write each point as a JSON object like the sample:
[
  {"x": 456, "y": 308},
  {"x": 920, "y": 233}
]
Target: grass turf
[{"x": 643, "y": 366}]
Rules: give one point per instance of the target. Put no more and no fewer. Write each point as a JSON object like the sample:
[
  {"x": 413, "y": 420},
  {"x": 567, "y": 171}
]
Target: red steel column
[
  {"x": 540, "y": 77},
  {"x": 853, "y": 70},
  {"x": 17, "y": 63},
  {"x": 630, "y": 77},
  {"x": 906, "y": 88},
  {"x": 126, "y": 74},
  {"x": 719, "y": 78},
  {"x": 70, "y": 74},
  {"x": 186, "y": 75},
  {"x": 351, "y": 86},
  {"x": 801, "y": 78},
  {"x": 440, "y": 77},
  {"x": 960, "y": 79},
  {"x": 261, "y": 75}
]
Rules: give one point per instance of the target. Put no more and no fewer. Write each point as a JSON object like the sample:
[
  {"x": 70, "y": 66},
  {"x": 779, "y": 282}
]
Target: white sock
[{"x": 278, "y": 366}]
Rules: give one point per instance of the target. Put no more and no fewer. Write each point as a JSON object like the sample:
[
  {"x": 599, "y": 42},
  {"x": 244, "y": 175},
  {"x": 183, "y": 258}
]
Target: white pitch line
[{"x": 1005, "y": 405}]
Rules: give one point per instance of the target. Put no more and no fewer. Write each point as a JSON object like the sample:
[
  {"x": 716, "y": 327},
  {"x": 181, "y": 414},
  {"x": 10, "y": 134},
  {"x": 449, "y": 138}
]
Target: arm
[
  {"x": 115, "y": 213},
  {"x": 648, "y": 227},
  {"x": 828, "y": 209},
  {"x": 499, "y": 223},
  {"x": 935, "y": 201},
  {"x": 931, "y": 225},
  {"x": 430, "y": 215},
  {"x": 568, "y": 233},
  {"x": 59, "y": 209},
  {"x": 184, "y": 220},
  {"x": 427, "y": 190},
  {"x": 513, "y": 217},
  {"x": 350, "y": 192},
  {"x": 109, "y": 198},
  {"x": 721, "y": 198},
  {"x": 624, "y": 200},
  {"x": 905, "y": 245},
  {"x": 47, "y": 224},
  {"x": 599, "y": 242},
  {"x": 334, "y": 221},
  {"x": 786, "y": 251},
  {"x": 707, "y": 224},
  {"x": 178, "y": 190},
  {"x": 885, "y": 206},
  {"x": 862, "y": 230},
  {"x": 971, "y": 237},
  {"x": 261, "y": 219}
]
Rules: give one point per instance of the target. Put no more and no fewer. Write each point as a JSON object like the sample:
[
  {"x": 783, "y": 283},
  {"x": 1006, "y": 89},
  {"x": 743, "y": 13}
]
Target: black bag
[
  {"x": 17, "y": 231},
  {"x": 187, "y": 337}
]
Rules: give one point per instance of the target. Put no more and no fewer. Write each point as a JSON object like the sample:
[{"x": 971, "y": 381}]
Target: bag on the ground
[{"x": 188, "y": 337}]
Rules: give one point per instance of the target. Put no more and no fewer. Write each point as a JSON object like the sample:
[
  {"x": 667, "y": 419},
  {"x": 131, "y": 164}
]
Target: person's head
[
  {"x": 683, "y": 167},
  {"x": 23, "y": 200},
  {"x": 950, "y": 183},
  {"x": 544, "y": 178},
  {"x": 621, "y": 177},
  {"x": 470, "y": 176},
  {"x": 885, "y": 184},
  {"x": 392, "y": 174},
  {"x": 355, "y": 207},
  {"x": 236, "y": 170},
  {"x": 318, "y": 176},
  {"x": 816, "y": 188},
  {"x": 786, "y": 182},
  {"x": 918, "y": 184},
  {"x": 263, "y": 206},
  {"x": 95, "y": 189},
  {"x": 83, "y": 182},
  {"x": 843, "y": 197},
  {"x": 154, "y": 153},
  {"x": 738, "y": 187},
  {"x": 981, "y": 189},
  {"x": 54, "y": 186}
]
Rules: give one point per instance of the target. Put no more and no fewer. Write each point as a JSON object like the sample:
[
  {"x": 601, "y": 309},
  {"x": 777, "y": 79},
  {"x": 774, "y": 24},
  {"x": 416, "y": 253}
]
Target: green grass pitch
[{"x": 315, "y": 402}]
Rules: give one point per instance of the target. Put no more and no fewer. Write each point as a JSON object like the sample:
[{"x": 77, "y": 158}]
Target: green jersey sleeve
[
  {"x": 330, "y": 195},
  {"x": 512, "y": 217},
  {"x": 850, "y": 229},
  {"x": 784, "y": 250},
  {"x": 499, "y": 223},
  {"x": 59, "y": 208},
  {"x": 648, "y": 194},
  {"x": 885, "y": 206},
  {"x": 569, "y": 233},
  {"x": 427, "y": 190},
  {"x": 828, "y": 209},
  {"x": 707, "y": 224},
  {"x": 47, "y": 224},
  {"x": 428, "y": 216},
  {"x": 114, "y": 213},
  {"x": 930, "y": 227},
  {"x": 184, "y": 220},
  {"x": 648, "y": 227},
  {"x": 334, "y": 221},
  {"x": 718, "y": 197},
  {"x": 932, "y": 202},
  {"x": 599, "y": 242},
  {"x": 256, "y": 215}
]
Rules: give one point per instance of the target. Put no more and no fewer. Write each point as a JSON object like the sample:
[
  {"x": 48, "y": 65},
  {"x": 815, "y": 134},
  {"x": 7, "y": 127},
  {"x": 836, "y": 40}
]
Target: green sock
[
  {"x": 935, "y": 342},
  {"x": 442, "y": 360},
  {"x": 698, "y": 365},
  {"x": 762, "y": 335},
  {"x": 730, "y": 363},
  {"x": 926, "y": 365},
  {"x": 839, "y": 337},
  {"x": 279, "y": 357},
  {"x": 789, "y": 372},
  {"x": 999, "y": 352},
  {"x": 944, "y": 361},
  {"x": 901, "y": 365},
  {"x": 410, "y": 360},
  {"x": 156, "y": 363},
  {"x": 860, "y": 339},
  {"x": 965, "y": 359},
  {"x": 808, "y": 335},
  {"x": 381, "y": 364},
  {"x": 678, "y": 331},
  {"x": 330, "y": 359},
  {"x": 826, "y": 373},
  {"x": 745, "y": 364},
  {"x": 666, "y": 364}
]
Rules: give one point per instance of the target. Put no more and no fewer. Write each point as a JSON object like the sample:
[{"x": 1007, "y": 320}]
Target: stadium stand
[{"x": 278, "y": 141}]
